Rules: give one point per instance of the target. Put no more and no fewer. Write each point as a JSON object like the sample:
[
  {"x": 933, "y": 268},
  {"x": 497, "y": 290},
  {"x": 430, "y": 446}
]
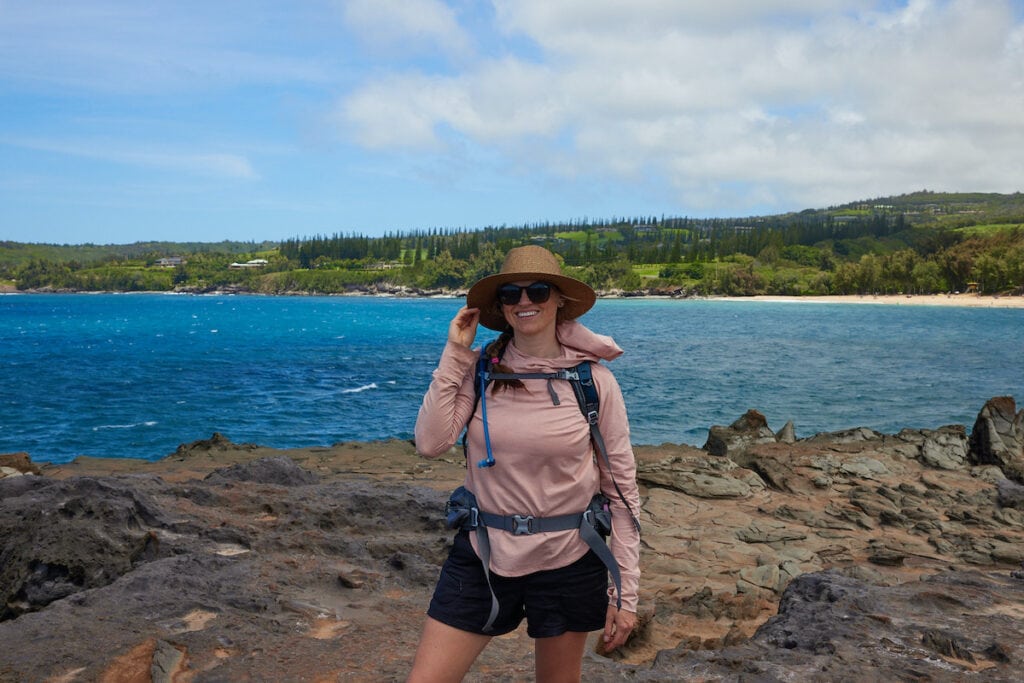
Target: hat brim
[{"x": 483, "y": 295}]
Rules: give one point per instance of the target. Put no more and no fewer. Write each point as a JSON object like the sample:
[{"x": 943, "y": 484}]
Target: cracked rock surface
[{"x": 846, "y": 556}]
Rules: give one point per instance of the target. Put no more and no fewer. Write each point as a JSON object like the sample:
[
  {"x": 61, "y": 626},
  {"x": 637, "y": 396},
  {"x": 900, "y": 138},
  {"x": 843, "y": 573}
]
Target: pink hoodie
[{"x": 545, "y": 462}]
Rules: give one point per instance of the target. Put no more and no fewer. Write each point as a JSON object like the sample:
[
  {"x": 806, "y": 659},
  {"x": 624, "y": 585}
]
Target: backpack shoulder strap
[
  {"x": 586, "y": 395},
  {"x": 479, "y": 385},
  {"x": 590, "y": 402}
]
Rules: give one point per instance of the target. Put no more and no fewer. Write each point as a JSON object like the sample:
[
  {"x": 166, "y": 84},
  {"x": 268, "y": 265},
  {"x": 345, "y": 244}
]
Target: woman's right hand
[{"x": 462, "y": 329}]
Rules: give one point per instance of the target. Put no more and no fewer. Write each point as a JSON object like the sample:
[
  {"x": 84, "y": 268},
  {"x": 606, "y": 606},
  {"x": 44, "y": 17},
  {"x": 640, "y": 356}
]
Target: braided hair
[{"x": 495, "y": 350}]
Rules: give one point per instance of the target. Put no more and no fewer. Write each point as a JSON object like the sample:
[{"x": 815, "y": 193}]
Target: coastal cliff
[{"x": 851, "y": 555}]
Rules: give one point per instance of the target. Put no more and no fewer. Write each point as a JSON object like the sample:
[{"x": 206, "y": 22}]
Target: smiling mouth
[{"x": 527, "y": 314}]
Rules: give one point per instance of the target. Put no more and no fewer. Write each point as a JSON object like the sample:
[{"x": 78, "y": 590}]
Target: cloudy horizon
[{"x": 193, "y": 121}]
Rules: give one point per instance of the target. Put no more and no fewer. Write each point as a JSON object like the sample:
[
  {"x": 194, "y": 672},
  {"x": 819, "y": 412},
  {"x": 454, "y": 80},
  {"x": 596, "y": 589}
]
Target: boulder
[
  {"x": 998, "y": 437},
  {"x": 217, "y": 442},
  {"x": 61, "y": 537},
  {"x": 1011, "y": 494},
  {"x": 16, "y": 464},
  {"x": 280, "y": 471},
  {"x": 750, "y": 429},
  {"x": 787, "y": 434}
]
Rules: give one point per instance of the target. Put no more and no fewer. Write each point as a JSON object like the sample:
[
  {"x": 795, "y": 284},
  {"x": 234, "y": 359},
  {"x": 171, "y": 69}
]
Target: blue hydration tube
[{"x": 489, "y": 460}]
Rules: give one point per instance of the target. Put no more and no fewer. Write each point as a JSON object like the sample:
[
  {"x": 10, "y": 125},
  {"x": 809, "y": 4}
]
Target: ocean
[{"x": 135, "y": 375}]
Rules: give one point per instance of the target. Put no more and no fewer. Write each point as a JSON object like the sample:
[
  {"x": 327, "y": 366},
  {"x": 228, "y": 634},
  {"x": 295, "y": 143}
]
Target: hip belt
[{"x": 594, "y": 524}]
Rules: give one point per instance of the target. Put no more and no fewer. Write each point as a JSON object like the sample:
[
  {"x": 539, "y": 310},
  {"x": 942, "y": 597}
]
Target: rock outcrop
[
  {"x": 250, "y": 573},
  {"x": 64, "y": 537},
  {"x": 830, "y": 626},
  {"x": 853, "y": 555},
  {"x": 16, "y": 464},
  {"x": 998, "y": 437},
  {"x": 751, "y": 428}
]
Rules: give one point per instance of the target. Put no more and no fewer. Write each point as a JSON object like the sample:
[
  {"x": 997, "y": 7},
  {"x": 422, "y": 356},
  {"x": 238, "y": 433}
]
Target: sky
[{"x": 208, "y": 120}]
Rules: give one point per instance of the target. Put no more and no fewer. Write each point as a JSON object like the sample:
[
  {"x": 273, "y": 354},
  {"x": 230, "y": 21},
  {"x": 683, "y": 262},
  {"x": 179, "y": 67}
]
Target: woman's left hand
[{"x": 617, "y": 626}]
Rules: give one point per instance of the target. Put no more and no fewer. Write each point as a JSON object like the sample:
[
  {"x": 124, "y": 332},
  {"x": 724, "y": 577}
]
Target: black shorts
[{"x": 571, "y": 598}]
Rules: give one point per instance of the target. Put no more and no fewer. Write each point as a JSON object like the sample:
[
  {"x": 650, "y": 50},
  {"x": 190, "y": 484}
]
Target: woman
[{"x": 529, "y": 454}]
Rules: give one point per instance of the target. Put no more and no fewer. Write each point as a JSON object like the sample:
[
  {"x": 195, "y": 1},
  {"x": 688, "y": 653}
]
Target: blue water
[{"x": 137, "y": 375}]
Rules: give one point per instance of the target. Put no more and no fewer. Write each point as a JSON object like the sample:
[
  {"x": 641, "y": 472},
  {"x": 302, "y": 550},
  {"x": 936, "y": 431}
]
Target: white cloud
[
  {"x": 548, "y": 21},
  {"x": 407, "y": 26},
  {"x": 385, "y": 121},
  {"x": 795, "y": 101}
]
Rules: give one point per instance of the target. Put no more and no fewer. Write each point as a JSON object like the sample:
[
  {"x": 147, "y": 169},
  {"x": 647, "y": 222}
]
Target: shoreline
[{"x": 952, "y": 300}]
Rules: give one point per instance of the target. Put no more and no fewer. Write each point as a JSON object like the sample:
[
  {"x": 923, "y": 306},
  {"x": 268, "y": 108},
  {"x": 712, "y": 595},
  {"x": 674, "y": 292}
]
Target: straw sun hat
[{"x": 529, "y": 263}]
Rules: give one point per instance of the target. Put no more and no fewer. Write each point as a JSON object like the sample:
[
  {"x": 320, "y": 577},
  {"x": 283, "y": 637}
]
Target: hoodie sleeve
[
  {"x": 448, "y": 403},
  {"x": 613, "y": 423}
]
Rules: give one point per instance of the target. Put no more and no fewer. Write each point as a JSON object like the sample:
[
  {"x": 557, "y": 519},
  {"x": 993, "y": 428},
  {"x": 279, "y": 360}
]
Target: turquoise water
[{"x": 136, "y": 375}]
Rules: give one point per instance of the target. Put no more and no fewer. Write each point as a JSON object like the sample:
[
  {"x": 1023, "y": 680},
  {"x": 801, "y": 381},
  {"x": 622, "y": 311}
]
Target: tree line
[{"x": 919, "y": 243}]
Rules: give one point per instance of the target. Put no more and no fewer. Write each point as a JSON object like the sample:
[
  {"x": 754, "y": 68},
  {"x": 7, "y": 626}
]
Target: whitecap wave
[
  {"x": 356, "y": 390},
  {"x": 148, "y": 423}
]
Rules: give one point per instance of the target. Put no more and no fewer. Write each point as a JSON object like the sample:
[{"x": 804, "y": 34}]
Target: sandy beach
[{"x": 965, "y": 300}]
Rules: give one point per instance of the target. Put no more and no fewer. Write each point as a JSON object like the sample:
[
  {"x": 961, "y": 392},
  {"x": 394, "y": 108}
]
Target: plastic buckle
[
  {"x": 523, "y": 525},
  {"x": 474, "y": 518},
  {"x": 592, "y": 417}
]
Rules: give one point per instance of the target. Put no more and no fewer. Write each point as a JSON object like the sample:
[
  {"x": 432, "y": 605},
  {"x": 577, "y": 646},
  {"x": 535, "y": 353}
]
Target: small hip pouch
[
  {"x": 600, "y": 514},
  {"x": 461, "y": 512}
]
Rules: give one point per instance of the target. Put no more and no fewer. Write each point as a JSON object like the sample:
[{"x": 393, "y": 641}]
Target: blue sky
[{"x": 124, "y": 121}]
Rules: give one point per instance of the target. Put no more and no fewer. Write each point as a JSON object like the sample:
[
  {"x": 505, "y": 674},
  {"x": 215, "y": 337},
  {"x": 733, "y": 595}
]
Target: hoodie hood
[
  {"x": 577, "y": 338},
  {"x": 578, "y": 344}
]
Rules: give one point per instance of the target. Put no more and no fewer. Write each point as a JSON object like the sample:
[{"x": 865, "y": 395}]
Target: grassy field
[
  {"x": 989, "y": 230},
  {"x": 647, "y": 271}
]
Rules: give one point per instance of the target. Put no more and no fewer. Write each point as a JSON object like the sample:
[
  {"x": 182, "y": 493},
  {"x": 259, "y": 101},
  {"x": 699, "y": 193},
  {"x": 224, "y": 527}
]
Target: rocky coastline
[{"x": 848, "y": 556}]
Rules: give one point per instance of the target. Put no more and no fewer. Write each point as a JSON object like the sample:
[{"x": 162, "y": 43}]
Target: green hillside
[{"x": 923, "y": 242}]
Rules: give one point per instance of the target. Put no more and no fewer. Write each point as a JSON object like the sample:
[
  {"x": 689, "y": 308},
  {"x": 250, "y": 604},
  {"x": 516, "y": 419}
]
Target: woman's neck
[{"x": 539, "y": 346}]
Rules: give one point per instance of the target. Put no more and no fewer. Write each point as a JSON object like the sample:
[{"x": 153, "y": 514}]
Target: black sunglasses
[{"x": 537, "y": 292}]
